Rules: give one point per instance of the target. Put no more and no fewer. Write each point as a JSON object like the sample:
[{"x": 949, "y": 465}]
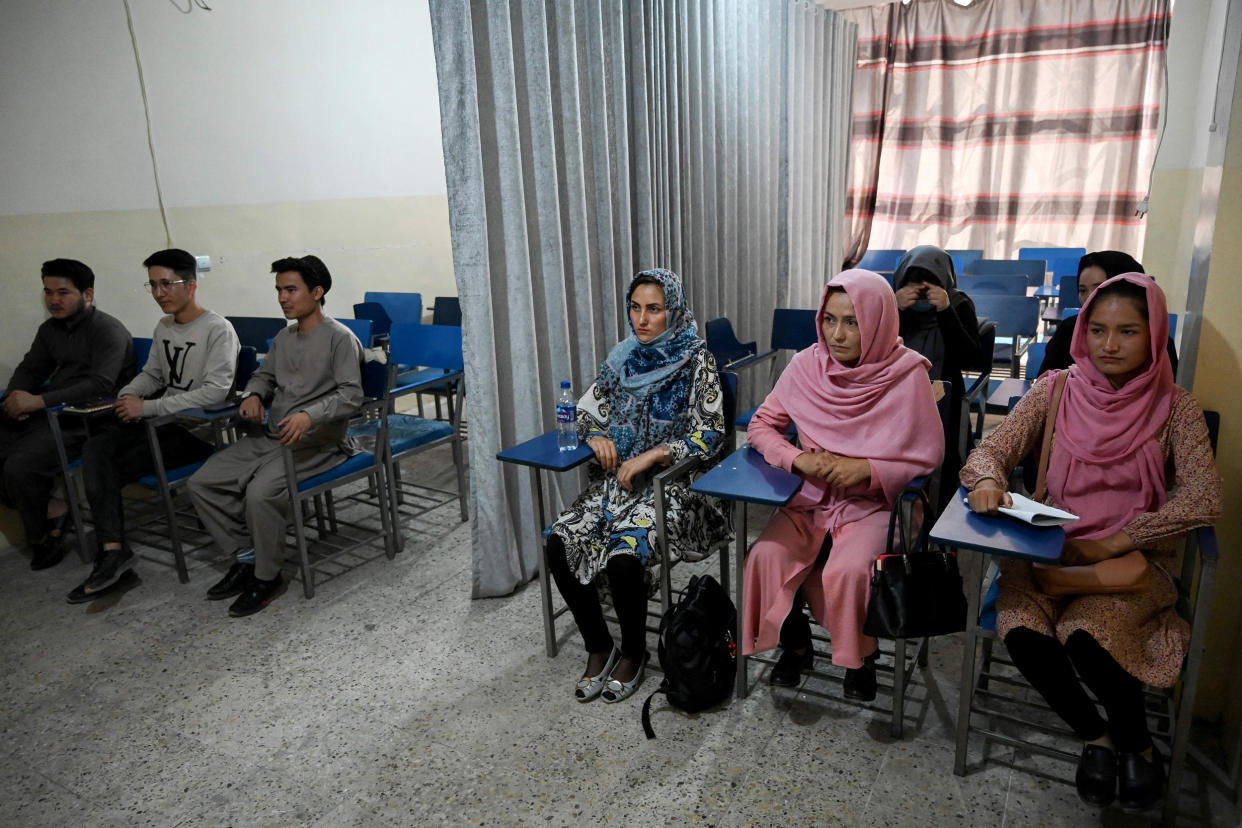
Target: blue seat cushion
[
  {"x": 357, "y": 463},
  {"x": 179, "y": 473},
  {"x": 405, "y": 431}
]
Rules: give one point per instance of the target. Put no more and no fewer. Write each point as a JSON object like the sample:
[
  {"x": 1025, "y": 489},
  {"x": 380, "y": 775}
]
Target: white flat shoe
[
  {"x": 616, "y": 690},
  {"x": 588, "y": 687}
]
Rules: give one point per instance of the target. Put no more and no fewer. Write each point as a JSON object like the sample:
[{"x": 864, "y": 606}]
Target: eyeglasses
[{"x": 162, "y": 284}]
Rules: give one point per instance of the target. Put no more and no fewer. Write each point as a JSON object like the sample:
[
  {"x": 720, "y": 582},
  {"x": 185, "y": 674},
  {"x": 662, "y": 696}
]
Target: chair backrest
[
  {"x": 881, "y": 261},
  {"x": 1067, "y": 294},
  {"x": 381, "y": 322},
  {"x": 1012, "y": 284},
  {"x": 256, "y": 331},
  {"x": 361, "y": 328},
  {"x": 793, "y": 329},
  {"x": 401, "y": 307},
  {"x": 1173, "y": 325},
  {"x": 723, "y": 344},
  {"x": 1033, "y": 270},
  {"x": 1034, "y": 358},
  {"x": 374, "y": 378},
  {"x": 247, "y": 363},
  {"x": 1062, "y": 266},
  {"x": 427, "y": 346},
  {"x": 446, "y": 311},
  {"x": 1046, "y": 253},
  {"x": 961, "y": 258},
  {"x": 142, "y": 350},
  {"x": 1013, "y": 315}
]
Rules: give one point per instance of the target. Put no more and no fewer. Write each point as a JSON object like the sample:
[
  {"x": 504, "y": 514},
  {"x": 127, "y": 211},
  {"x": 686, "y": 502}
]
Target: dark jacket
[{"x": 85, "y": 357}]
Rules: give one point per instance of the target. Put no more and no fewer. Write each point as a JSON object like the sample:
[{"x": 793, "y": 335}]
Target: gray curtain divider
[{"x": 586, "y": 141}]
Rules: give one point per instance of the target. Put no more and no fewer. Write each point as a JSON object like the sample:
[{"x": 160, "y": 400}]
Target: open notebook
[{"x": 1034, "y": 512}]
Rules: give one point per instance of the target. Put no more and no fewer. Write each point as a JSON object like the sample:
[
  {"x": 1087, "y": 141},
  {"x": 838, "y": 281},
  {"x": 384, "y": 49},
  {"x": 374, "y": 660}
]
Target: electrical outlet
[{"x": 203, "y": 263}]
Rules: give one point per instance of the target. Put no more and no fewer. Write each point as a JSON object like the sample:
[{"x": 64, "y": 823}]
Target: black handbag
[{"x": 916, "y": 592}]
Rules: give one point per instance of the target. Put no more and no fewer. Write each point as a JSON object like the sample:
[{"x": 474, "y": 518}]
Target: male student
[
  {"x": 192, "y": 363},
  {"x": 79, "y": 355},
  {"x": 308, "y": 385}
]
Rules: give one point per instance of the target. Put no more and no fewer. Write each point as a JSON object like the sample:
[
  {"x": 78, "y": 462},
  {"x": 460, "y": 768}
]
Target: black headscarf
[
  {"x": 1112, "y": 262},
  {"x": 919, "y": 326}
]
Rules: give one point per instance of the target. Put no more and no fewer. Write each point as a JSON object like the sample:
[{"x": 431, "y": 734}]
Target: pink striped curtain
[{"x": 1005, "y": 124}]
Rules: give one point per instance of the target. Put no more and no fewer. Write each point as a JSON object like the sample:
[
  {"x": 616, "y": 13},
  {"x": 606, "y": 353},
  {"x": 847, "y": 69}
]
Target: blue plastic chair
[
  {"x": 361, "y": 328},
  {"x": 400, "y": 307},
  {"x": 1017, "y": 318},
  {"x": 1046, "y": 253},
  {"x": 142, "y": 351},
  {"x": 1067, "y": 293},
  {"x": 1173, "y": 325},
  {"x": 724, "y": 344},
  {"x": 1033, "y": 270},
  {"x": 446, "y": 311},
  {"x": 881, "y": 261},
  {"x": 1011, "y": 284},
  {"x": 961, "y": 258},
  {"x": 257, "y": 331},
  {"x": 793, "y": 330},
  {"x": 381, "y": 323},
  {"x": 1034, "y": 358}
]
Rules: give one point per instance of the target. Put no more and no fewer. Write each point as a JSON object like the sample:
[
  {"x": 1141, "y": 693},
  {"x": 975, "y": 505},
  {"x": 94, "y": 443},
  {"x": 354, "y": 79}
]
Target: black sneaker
[
  {"x": 787, "y": 671},
  {"x": 110, "y": 565},
  {"x": 1096, "y": 777},
  {"x": 860, "y": 683},
  {"x": 47, "y": 553},
  {"x": 237, "y": 579},
  {"x": 257, "y": 595}
]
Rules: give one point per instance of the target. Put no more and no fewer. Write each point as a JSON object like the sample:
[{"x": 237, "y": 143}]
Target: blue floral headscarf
[{"x": 648, "y": 384}]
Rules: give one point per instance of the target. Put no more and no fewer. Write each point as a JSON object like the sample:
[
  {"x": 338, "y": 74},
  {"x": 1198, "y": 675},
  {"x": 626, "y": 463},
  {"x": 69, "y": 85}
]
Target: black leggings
[
  {"x": 628, "y": 586},
  {"x": 1050, "y": 668}
]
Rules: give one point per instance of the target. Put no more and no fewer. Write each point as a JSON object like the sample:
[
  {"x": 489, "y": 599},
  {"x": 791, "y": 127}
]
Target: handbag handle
[
  {"x": 1050, "y": 421},
  {"x": 924, "y": 529}
]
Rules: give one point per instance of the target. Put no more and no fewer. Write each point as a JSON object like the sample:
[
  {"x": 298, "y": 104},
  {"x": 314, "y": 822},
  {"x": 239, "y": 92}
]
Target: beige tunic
[{"x": 1142, "y": 631}]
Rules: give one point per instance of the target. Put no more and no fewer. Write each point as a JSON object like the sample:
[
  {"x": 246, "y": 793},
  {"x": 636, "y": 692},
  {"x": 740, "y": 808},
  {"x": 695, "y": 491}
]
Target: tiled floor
[{"x": 391, "y": 698}]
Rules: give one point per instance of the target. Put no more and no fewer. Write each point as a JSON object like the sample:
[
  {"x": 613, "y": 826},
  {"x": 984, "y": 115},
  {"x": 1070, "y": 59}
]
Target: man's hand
[
  {"x": 938, "y": 296},
  {"x": 252, "y": 409},
  {"x": 987, "y": 497},
  {"x": 20, "y": 404},
  {"x": 605, "y": 452},
  {"x": 293, "y": 427},
  {"x": 128, "y": 408}
]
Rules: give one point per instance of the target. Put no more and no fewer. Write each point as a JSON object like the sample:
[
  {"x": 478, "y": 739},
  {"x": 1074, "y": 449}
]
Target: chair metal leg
[
  {"x": 320, "y": 523},
  {"x": 899, "y": 688},
  {"x": 333, "y": 526},
  {"x": 740, "y": 689},
  {"x": 966, "y": 686},
  {"x": 386, "y": 521},
  {"x": 545, "y": 585}
]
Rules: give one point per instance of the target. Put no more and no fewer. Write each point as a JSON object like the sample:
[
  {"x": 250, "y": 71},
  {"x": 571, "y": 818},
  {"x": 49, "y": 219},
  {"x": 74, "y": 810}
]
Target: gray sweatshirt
[
  {"x": 192, "y": 365},
  {"x": 319, "y": 373}
]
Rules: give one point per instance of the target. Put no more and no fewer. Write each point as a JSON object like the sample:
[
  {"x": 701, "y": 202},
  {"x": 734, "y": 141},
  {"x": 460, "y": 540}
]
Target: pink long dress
[{"x": 882, "y": 409}]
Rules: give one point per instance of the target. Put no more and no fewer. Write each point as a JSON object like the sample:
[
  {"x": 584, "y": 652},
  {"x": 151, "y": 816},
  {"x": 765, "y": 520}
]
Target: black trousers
[
  {"x": 628, "y": 586},
  {"x": 120, "y": 455},
  {"x": 1055, "y": 669},
  {"x": 28, "y": 467}
]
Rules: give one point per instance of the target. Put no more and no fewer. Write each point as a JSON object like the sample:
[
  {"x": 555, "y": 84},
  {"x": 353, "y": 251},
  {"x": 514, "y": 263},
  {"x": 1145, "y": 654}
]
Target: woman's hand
[
  {"x": 938, "y": 296},
  {"x": 1081, "y": 552},
  {"x": 836, "y": 470},
  {"x": 637, "y": 465},
  {"x": 987, "y": 497},
  {"x": 605, "y": 452},
  {"x": 908, "y": 295}
]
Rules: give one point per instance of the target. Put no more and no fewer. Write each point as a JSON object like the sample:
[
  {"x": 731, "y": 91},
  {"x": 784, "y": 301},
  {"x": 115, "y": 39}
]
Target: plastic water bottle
[{"x": 566, "y": 418}]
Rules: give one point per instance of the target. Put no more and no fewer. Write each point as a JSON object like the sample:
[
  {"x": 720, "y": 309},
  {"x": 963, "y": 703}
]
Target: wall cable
[{"x": 146, "y": 108}]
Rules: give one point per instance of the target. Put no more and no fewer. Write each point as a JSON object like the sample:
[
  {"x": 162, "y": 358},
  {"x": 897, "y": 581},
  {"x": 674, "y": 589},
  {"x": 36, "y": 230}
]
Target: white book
[{"x": 1036, "y": 513}]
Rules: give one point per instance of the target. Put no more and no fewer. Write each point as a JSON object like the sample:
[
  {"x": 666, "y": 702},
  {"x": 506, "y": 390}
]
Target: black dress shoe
[
  {"x": 787, "y": 671},
  {"x": 110, "y": 565},
  {"x": 1140, "y": 782},
  {"x": 47, "y": 553},
  {"x": 1096, "y": 778},
  {"x": 860, "y": 683},
  {"x": 235, "y": 580},
  {"x": 257, "y": 595}
]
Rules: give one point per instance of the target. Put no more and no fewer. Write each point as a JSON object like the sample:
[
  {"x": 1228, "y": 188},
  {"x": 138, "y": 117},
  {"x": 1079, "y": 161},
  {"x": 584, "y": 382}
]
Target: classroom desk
[
  {"x": 1008, "y": 387},
  {"x": 744, "y": 477},
  {"x": 960, "y": 528},
  {"x": 541, "y": 454}
]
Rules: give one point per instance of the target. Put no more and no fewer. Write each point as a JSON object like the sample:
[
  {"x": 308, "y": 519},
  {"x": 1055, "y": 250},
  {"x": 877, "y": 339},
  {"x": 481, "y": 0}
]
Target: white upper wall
[{"x": 254, "y": 102}]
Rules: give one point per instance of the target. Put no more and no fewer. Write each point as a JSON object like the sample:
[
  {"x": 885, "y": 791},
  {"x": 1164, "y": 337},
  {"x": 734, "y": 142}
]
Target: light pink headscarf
[
  {"x": 881, "y": 408},
  {"x": 1106, "y": 464}
]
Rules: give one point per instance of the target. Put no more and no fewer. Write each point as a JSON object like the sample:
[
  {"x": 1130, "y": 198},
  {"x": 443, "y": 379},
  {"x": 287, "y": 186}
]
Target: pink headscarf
[
  {"x": 882, "y": 408},
  {"x": 1106, "y": 464}
]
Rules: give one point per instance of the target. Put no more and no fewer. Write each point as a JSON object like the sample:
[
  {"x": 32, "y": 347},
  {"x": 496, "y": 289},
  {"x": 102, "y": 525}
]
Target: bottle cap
[{"x": 564, "y": 383}]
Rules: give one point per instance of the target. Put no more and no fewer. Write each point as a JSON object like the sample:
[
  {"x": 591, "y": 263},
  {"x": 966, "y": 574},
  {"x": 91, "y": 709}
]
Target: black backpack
[{"x": 697, "y": 652}]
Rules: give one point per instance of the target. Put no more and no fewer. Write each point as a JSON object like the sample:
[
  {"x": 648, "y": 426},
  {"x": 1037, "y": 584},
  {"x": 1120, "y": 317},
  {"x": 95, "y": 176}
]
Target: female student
[
  {"x": 856, "y": 397},
  {"x": 657, "y": 400},
  {"x": 1130, "y": 456}
]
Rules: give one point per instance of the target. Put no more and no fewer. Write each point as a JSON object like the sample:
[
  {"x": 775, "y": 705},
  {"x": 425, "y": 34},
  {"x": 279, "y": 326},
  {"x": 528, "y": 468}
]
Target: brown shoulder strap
[{"x": 1050, "y": 421}]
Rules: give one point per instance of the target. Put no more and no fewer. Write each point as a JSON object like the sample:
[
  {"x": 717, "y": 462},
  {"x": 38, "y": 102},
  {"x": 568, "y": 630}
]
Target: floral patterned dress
[{"x": 606, "y": 520}]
